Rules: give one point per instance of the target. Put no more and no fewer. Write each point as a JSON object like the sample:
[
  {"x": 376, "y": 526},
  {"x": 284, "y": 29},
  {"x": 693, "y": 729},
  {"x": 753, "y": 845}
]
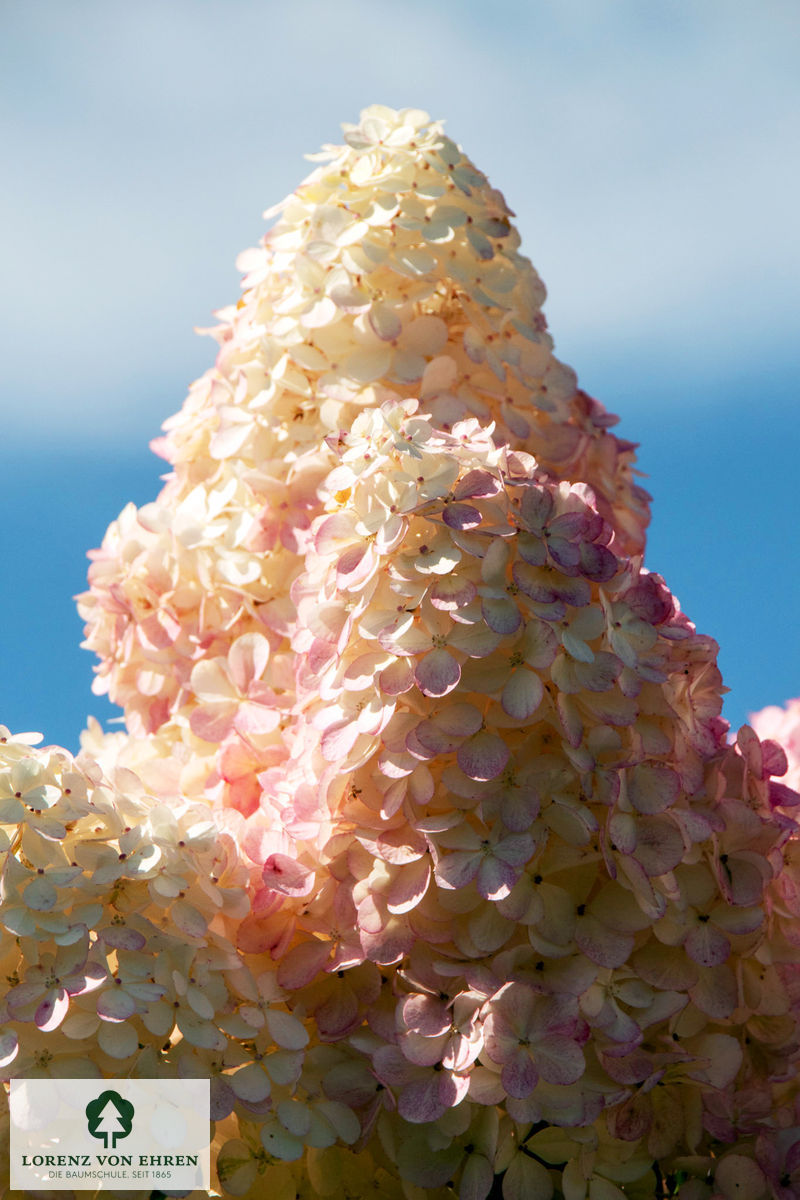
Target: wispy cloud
[{"x": 649, "y": 151}]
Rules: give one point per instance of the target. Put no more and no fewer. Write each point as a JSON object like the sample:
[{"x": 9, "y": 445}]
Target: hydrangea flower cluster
[{"x": 425, "y": 841}]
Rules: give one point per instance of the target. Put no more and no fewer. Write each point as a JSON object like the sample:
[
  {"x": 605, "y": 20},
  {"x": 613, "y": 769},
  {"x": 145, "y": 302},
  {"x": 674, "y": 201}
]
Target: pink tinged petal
[
  {"x": 450, "y": 593},
  {"x": 664, "y": 967},
  {"x": 460, "y": 835},
  {"x": 425, "y": 1015},
  {"x": 517, "y": 849},
  {"x": 256, "y": 718},
  {"x": 188, "y": 919},
  {"x": 652, "y": 787},
  {"x": 338, "y": 1016},
  {"x": 495, "y": 879},
  {"x": 361, "y": 673},
  {"x": 437, "y": 673},
  {"x": 750, "y": 747},
  {"x": 52, "y": 1010},
  {"x": 476, "y": 483},
  {"x": 415, "y": 746},
  {"x": 576, "y": 592},
  {"x": 706, "y": 945},
  {"x": 485, "y": 1086},
  {"x": 659, "y": 845},
  {"x": 397, "y": 846},
  {"x": 483, "y": 756},
  {"x": 409, "y": 886},
  {"x": 741, "y": 880},
  {"x": 444, "y": 732},
  {"x": 458, "y": 869},
  {"x": 501, "y": 615},
  {"x": 522, "y": 694},
  {"x": 392, "y": 1067},
  {"x": 303, "y": 963},
  {"x": 390, "y": 942},
  {"x": 775, "y": 761},
  {"x": 394, "y": 798},
  {"x": 89, "y": 979},
  {"x": 570, "y": 526},
  {"x": 519, "y": 809},
  {"x": 422, "y": 1051},
  {"x": 397, "y": 678},
  {"x": 570, "y": 719},
  {"x": 599, "y": 675},
  {"x": 781, "y": 796},
  {"x": 602, "y": 945},
  {"x": 738, "y": 920},
  {"x": 421, "y": 1101},
  {"x": 536, "y": 583},
  {"x": 474, "y": 640},
  {"x": 716, "y": 992},
  {"x": 519, "y": 1075},
  {"x": 213, "y": 722},
  {"x": 247, "y": 659},
  {"x": 286, "y": 875},
  {"x": 338, "y": 740},
  {"x": 22, "y": 995},
  {"x": 115, "y": 1005},
  {"x": 333, "y": 531},
  {"x": 559, "y": 1059},
  {"x": 461, "y": 516},
  {"x": 421, "y": 785},
  {"x": 536, "y": 507},
  {"x": 565, "y": 554},
  {"x": 347, "y": 565},
  {"x": 597, "y": 562},
  {"x": 459, "y": 719},
  {"x": 611, "y": 708},
  {"x": 532, "y": 549},
  {"x": 121, "y": 937},
  {"x": 405, "y": 636},
  {"x": 209, "y": 681},
  {"x": 539, "y": 644}
]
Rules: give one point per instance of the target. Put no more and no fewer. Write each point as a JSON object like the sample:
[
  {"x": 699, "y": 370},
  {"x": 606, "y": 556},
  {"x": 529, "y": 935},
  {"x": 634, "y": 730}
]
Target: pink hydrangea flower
[{"x": 425, "y": 841}]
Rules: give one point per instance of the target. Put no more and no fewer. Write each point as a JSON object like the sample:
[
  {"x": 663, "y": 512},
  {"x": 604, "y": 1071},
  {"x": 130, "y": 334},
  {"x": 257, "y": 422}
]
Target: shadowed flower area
[{"x": 425, "y": 840}]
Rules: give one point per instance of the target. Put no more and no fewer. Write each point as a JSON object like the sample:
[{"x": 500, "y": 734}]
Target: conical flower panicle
[
  {"x": 394, "y": 270},
  {"x": 494, "y": 905}
]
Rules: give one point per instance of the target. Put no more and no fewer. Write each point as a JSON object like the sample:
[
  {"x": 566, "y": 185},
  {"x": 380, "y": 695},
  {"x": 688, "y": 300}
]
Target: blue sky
[{"x": 649, "y": 151}]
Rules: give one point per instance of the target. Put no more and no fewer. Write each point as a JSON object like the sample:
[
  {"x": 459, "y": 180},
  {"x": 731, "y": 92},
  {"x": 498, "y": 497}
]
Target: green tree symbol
[{"x": 110, "y": 1116}]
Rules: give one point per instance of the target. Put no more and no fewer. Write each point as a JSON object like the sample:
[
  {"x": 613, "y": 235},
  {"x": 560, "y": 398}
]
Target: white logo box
[{"x": 120, "y": 1134}]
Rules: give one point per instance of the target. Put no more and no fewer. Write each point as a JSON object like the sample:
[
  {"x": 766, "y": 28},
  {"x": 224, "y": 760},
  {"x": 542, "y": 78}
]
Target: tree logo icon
[{"x": 110, "y": 1117}]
